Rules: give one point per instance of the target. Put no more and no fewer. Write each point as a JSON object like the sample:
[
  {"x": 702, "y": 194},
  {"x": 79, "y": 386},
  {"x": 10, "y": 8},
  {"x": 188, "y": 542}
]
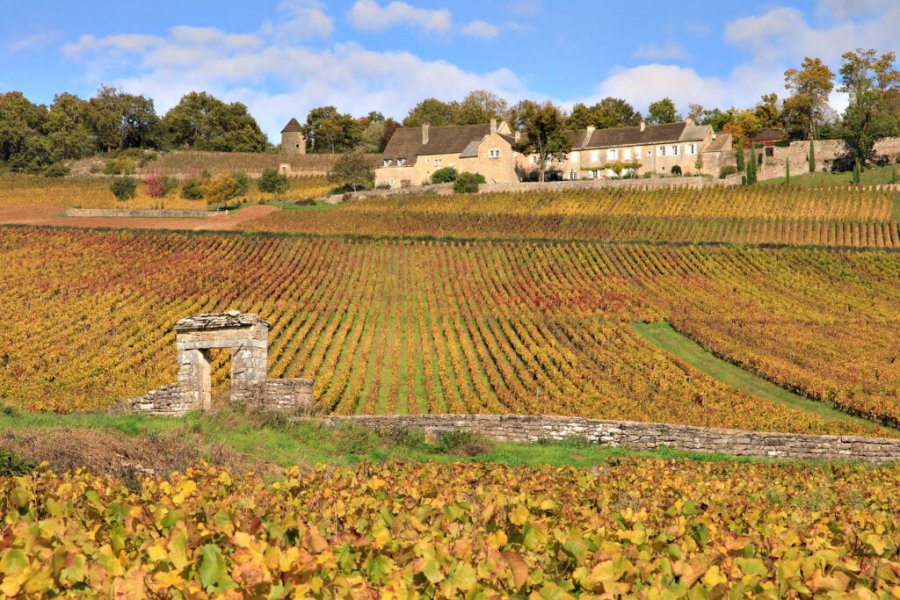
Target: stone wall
[
  {"x": 826, "y": 151},
  {"x": 277, "y": 394},
  {"x": 167, "y": 401},
  {"x": 138, "y": 212},
  {"x": 628, "y": 434}
]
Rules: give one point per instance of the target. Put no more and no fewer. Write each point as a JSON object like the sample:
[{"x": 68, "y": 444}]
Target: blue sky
[{"x": 284, "y": 57}]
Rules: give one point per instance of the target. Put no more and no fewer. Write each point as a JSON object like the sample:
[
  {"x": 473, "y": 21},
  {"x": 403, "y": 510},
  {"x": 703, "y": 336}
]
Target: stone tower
[{"x": 292, "y": 138}]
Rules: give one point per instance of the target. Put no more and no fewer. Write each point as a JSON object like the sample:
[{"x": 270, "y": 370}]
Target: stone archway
[{"x": 247, "y": 336}]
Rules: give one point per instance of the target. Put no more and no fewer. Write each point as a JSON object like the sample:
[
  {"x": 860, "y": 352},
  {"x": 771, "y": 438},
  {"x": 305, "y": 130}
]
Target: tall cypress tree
[
  {"x": 787, "y": 172},
  {"x": 812, "y": 157},
  {"x": 751, "y": 166}
]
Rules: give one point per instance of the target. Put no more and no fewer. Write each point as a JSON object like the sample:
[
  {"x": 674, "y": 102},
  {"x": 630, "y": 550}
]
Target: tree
[
  {"x": 479, "y": 106},
  {"x": 661, "y": 112},
  {"x": 68, "y": 128},
  {"x": 751, "y": 166},
  {"x": 222, "y": 189},
  {"x": 431, "y": 111},
  {"x": 812, "y": 157},
  {"x": 873, "y": 86},
  {"x": 21, "y": 123},
  {"x": 328, "y": 130},
  {"x": 768, "y": 112},
  {"x": 120, "y": 120},
  {"x": 543, "y": 130},
  {"x": 739, "y": 156},
  {"x": 201, "y": 121},
  {"x": 273, "y": 182},
  {"x": 609, "y": 112},
  {"x": 123, "y": 188},
  {"x": 467, "y": 183},
  {"x": 787, "y": 172},
  {"x": 808, "y": 102},
  {"x": 445, "y": 175},
  {"x": 716, "y": 118},
  {"x": 352, "y": 170},
  {"x": 370, "y": 139}
]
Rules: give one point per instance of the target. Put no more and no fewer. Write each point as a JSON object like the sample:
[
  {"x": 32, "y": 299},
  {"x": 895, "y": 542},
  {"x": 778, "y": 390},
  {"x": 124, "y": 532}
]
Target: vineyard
[
  {"x": 652, "y": 528},
  {"x": 867, "y": 217},
  {"x": 406, "y": 326}
]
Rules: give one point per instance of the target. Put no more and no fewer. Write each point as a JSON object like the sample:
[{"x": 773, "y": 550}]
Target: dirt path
[{"x": 46, "y": 215}]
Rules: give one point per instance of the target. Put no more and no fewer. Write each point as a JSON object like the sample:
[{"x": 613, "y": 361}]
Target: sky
[{"x": 283, "y": 57}]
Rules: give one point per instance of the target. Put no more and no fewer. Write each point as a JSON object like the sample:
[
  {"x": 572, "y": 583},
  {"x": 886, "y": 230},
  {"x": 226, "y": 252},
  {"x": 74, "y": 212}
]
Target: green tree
[
  {"x": 201, "y": 121},
  {"x": 787, "y": 172},
  {"x": 872, "y": 84},
  {"x": 273, "y": 182},
  {"x": 352, "y": 170},
  {"x": 329, "y": 131},
  {"x": 120, "y": 120},
  {"x": 21, "y": 123},
  {"x": 479, "y": 106},
  {"x": 812, "y": 157},
  {"x": 609, "y": 112},
  {"x": 808, "y": 103},
  {"x": 662, "y": 111},
  {"x": 739, "y": 156},
  {"x": 751, "y": 166},
  {"x": 768, "y": 111},
  {"x": 445, "y": 175},
  {"x": 431, "y": 111},
  {"x": 543, "y": 132},
  {"x": 68, "y": 128},
  {"x": 123, "y": 188}
]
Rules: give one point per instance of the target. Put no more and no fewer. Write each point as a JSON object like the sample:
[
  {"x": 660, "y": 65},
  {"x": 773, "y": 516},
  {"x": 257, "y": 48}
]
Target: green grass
[
  {"x": 665, "y": 337},
  {"x": 289, "y": 205},
  {"x": 871, "y": 176},
  {"x": 274, "y": 439}
]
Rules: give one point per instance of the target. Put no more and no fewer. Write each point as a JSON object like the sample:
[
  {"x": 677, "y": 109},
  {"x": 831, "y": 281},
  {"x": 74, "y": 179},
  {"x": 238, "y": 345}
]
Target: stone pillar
[
  {"x": 249, "y": 364},
  {"x": 194, "y": 378}
]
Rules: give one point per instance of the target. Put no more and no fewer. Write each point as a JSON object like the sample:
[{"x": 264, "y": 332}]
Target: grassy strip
[
  {"x": 268, "y": 438},
  {"x": 870, "y": 176},
  {"x": 664, "y": 336}
]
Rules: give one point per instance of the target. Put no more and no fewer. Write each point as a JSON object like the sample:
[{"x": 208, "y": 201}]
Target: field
[
  {"x": 864, "y": 217},
  {"x": 389, "y": 326},
  {"x": 94, "y": 192},
  {"x": 651, "y": 528}
]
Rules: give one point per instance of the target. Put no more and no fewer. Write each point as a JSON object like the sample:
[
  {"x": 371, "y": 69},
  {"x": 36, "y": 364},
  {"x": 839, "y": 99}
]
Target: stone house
[
  {"x": 656, "y": 149},
  {"x": 292, "y": 139},
  {"x": 413, "y": 154}
]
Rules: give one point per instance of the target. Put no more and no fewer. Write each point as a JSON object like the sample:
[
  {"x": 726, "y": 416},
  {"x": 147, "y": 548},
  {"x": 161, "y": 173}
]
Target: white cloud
[
  {"x": 33, "y": 41},
  {"x": 648, "y": 83},
  {"x": 670, "y": 51},
  {"x": 844, "y": 9},
  {"x": 368, "y": 15},
  {"x": 300, "y": 20},
  {"x": 525, "y": 8},
  {"x": 481, "y": 29}
]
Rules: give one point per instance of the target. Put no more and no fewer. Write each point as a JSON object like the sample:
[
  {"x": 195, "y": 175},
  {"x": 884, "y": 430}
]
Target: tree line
[{"x": 34, "y": 137}]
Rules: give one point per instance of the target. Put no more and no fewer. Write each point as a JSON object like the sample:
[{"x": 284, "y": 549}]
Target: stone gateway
[{"x": 247, "y": 336}]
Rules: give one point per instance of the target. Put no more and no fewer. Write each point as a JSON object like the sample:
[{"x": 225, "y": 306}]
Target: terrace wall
[
  {"x": 644, "y": 436},
  {"x": 168, "y": 213}
]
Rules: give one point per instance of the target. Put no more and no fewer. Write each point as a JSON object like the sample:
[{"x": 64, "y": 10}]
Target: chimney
[
  {"x": 643, "y": 125},
  {"x": 587, "y": 136},
  {"x": 493, "y": 125},
  {"x": 689, "y": 122},
  {"x": 518, "y": 136},
  {"x": 425, "y": 128}
]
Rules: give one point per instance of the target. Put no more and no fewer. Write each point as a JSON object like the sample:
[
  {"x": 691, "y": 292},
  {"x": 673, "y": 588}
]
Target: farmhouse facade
[{"x": 414, "y": 153}]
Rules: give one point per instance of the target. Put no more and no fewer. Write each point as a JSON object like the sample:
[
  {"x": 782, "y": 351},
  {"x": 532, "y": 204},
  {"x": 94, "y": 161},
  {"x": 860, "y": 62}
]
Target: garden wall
[
  {"x": 168, "y": 213},
  {"x": 643, "y": 436}
]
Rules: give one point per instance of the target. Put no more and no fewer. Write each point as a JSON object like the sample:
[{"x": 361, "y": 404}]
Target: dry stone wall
[
  {"x": 643, "y": 436},
  {"x": 168, "y": 213}
]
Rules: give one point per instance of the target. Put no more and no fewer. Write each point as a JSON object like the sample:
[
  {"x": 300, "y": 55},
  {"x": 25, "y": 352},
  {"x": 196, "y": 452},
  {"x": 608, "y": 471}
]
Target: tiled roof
[
  {"x": 293, "y": 126},
  {"x": 633, "y": 136},
  {"x": 407, "y": 141}
]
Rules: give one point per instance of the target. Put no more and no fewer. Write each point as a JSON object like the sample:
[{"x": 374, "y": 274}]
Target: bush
[
  {"x": 123, "y": 188},
  {"x": 726, "y": 171},
  {"x": 192, "y": 189},
  {"x": 676, "y": 170},
  {"x": 445, "y": 175},
  {"x": 170, "y": 184},
  {"x": 119, "y": 166},
  {"x": 463, "y": 443},
  {"x": 467, "y": 183},
  {"x": 222, "y": 189},
  {"x": 243, "y": 182},
  {"x": 56, "y": 170},
  {"x": 273, "y": 182},
  {"x": 14, "y": 466}
]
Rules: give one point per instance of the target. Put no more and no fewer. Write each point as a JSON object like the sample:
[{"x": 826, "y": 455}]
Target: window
[
  {"x": 626, "y": 154},
  {"x": 595, "y": 173},
  {"x": 533, "y": 159},
  {"x": 770, "y": 151},
  {"x": 437, "y": 162},
  {"x": 574, "y": 157},
  {"x": 391, "y": 182},
  {"x": 401, "y": 162},
  {"x": 387, "y": 162},
  {"x": 595, "y": 155},
  {"x": 675, "y": 150},
  {"x": 573, "y": 175},
  {"x": 660, "y": 150},
  {"x": 691, "y": 149},
  {"x": 612, "y": 154},
  {"x": 494, "y": 153}
]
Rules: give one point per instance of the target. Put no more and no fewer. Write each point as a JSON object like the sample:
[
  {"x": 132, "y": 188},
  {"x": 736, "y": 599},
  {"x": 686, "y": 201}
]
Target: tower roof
[{"x": 293, "y": 126}]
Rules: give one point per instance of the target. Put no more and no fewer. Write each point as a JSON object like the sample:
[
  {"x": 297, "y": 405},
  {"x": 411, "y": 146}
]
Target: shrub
[
  {"x": 169, "y": 185},
  {"x": 56, "y": 170},
  {"x": 192, "y": 189},
  {"x": 467, "y": 183},
  {"x": 155, "y": 185},
  {"x": 726, "y": 171},
  {"x": 243, "y": 182},
  {"x": 222, "y": 189},
  {"x": 676, "y": 170},
  {"x": 119, "y": 166},
  {"x": 14, "y": 466},
  {"x": 445, "y": 175},
  {"x": 463, "y": 443},
  {"x": 123, "y": 188},
  {"x": 273, "y": 182}
]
